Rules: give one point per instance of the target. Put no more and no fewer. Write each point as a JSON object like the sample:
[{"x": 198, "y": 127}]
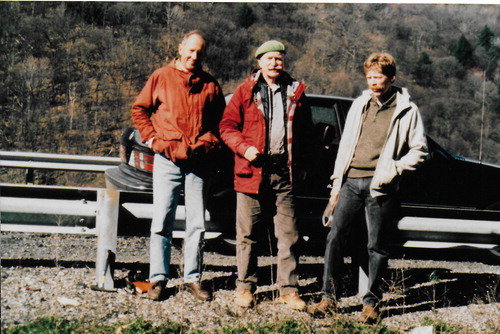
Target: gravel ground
[{"x": 51, "y": 275}]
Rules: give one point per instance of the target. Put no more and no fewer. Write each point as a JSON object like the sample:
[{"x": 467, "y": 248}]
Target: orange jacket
[{"x": 180, "y": 110}]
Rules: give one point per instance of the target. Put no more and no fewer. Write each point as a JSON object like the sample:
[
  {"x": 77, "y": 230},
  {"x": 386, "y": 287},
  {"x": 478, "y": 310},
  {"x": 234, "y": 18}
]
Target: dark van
[{"x": 449, "y": 202}]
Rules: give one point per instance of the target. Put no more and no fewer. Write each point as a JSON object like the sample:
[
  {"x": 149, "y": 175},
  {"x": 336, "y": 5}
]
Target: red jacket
[
  {"x": 180, "y": 110},
  {"x": 243, "y": 125}
]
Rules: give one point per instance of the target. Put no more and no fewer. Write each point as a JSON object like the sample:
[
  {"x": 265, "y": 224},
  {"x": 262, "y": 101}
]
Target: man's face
[
  {"x": 378, "y": 82},
  {"x": 271, "y": 65},
  {"x": 191, "y": 52}
]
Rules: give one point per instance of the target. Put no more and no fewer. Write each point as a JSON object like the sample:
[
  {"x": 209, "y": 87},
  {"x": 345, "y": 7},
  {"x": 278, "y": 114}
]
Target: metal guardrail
[
  {"x": 48, "y": 209},
  {"x": 32, "y": 161},
  {"x": 65, "y": 210},
  {"x": 56, "y": 161},
  {"x": 52, "y": 209},
  {"x": 55, "y": 209},
  {"x": 96, "y": 211},
  {"x": 100, "y": 212}
]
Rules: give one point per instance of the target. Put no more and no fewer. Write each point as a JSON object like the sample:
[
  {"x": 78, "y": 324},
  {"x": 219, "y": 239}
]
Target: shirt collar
[{"x": 389, "y": 97}]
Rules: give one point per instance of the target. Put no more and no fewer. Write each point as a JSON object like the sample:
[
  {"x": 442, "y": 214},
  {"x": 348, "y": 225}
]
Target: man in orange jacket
[
  {"x": 178, "y": 114},
  {"x": 266, "y": 124}
]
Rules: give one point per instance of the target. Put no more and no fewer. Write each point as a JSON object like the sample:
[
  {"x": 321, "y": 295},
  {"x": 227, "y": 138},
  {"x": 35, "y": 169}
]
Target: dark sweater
[{"x": 376, "y": 121}]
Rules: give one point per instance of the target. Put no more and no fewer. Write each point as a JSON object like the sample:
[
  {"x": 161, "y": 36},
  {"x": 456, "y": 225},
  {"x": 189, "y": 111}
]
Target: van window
[
  {"x": 326, "y": 125},
  {"x": 327, "y": 132}
]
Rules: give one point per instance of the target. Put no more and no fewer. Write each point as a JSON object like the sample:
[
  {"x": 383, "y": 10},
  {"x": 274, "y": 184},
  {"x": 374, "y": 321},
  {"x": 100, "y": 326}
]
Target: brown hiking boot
[
  {"x": 324, "y": 307},
  {"x": 293, "y": 300},
  {"x": 244, "y": 298},
  {"x": 197, "y": 291},
  {"x": 369, "y": 315},
  {"x": 158, "y": 291}
]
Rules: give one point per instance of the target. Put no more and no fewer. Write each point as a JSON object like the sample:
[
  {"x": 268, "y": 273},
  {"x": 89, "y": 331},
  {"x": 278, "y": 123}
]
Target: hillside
[{"x": 70, "y": 70}]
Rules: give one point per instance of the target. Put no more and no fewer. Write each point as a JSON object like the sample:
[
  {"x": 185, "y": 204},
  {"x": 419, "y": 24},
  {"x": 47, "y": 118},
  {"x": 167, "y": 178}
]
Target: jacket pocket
[
  {"x": 204, "y": 144},
  {"x": 251, "y": 123},
  {"x": 172, "y": 146},
  {"x": 242, "y": 168},
  {"x": 387, "y": 179}
]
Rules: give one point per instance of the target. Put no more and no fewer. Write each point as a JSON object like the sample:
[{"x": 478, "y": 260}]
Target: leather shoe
[
  {"x": 293, "y": 301},
  {"x": 158, "y": 291},
  {"x": 324, "y": 307},
  {"x": 244, "y": 298},
  {"x": 369, "y": 315},
  {"x": 197, "y": 291}
]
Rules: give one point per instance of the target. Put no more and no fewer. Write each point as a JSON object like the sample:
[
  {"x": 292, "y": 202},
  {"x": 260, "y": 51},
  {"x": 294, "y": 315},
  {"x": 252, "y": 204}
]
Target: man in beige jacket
[{"x": 383, "y": 139}]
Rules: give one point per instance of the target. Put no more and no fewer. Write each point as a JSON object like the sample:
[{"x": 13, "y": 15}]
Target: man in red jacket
[
  {"x": 265, "y": 124},
  {"x": 178, "y": 114}
]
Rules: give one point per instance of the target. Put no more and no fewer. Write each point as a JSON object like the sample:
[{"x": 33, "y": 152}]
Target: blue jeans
[
  {"x": 355, "y": 199},
  {"x": 168, "y": 179}
]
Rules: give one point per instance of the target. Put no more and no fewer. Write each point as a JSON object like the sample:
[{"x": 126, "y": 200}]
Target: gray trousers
[{"x": 275, "y": 196}]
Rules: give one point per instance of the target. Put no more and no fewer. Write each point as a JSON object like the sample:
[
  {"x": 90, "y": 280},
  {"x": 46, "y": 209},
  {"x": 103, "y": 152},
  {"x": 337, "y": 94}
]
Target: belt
[{"x": 273, "y": 163}]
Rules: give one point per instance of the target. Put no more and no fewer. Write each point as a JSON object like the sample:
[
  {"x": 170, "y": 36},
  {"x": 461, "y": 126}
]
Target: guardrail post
[
  {"x": 363, "y": 265},
  {"x": 30, "y": 176},
  {"x": 107, "y": 229},
  {"x": 362, "y": 282}
]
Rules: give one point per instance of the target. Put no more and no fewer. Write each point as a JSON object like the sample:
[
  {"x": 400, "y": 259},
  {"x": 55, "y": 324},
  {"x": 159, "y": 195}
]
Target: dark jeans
[{"x": 354, "y": 199}]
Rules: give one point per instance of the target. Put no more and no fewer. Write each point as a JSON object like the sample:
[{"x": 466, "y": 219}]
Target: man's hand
[
  {"x": 327, "y": 217},
  {"x": 251, "y": 153}
]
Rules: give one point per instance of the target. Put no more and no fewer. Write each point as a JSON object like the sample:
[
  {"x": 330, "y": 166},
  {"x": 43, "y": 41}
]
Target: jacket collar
[
  {"x": 189, "y": 78},
  {"x": 285, "y": 78},
  {"x": 403, "y": 98}
]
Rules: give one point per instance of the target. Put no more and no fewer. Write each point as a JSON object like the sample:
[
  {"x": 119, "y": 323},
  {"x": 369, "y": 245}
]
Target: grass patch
[
  {"x": 139, "y": 326},
  {"x": 439, "y": 326},
  {"x": 44, "y": 325},
  {"x": 58, "y": 326},
  {"x": 342, "y": 326}
]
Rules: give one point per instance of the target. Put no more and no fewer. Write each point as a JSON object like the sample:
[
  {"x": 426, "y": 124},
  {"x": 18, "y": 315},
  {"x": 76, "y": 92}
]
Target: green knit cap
[{"x": 268, "y": 47}]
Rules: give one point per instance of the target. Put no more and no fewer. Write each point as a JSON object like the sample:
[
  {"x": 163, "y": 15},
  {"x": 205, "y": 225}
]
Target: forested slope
[{"x": 70, "y": 71}]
